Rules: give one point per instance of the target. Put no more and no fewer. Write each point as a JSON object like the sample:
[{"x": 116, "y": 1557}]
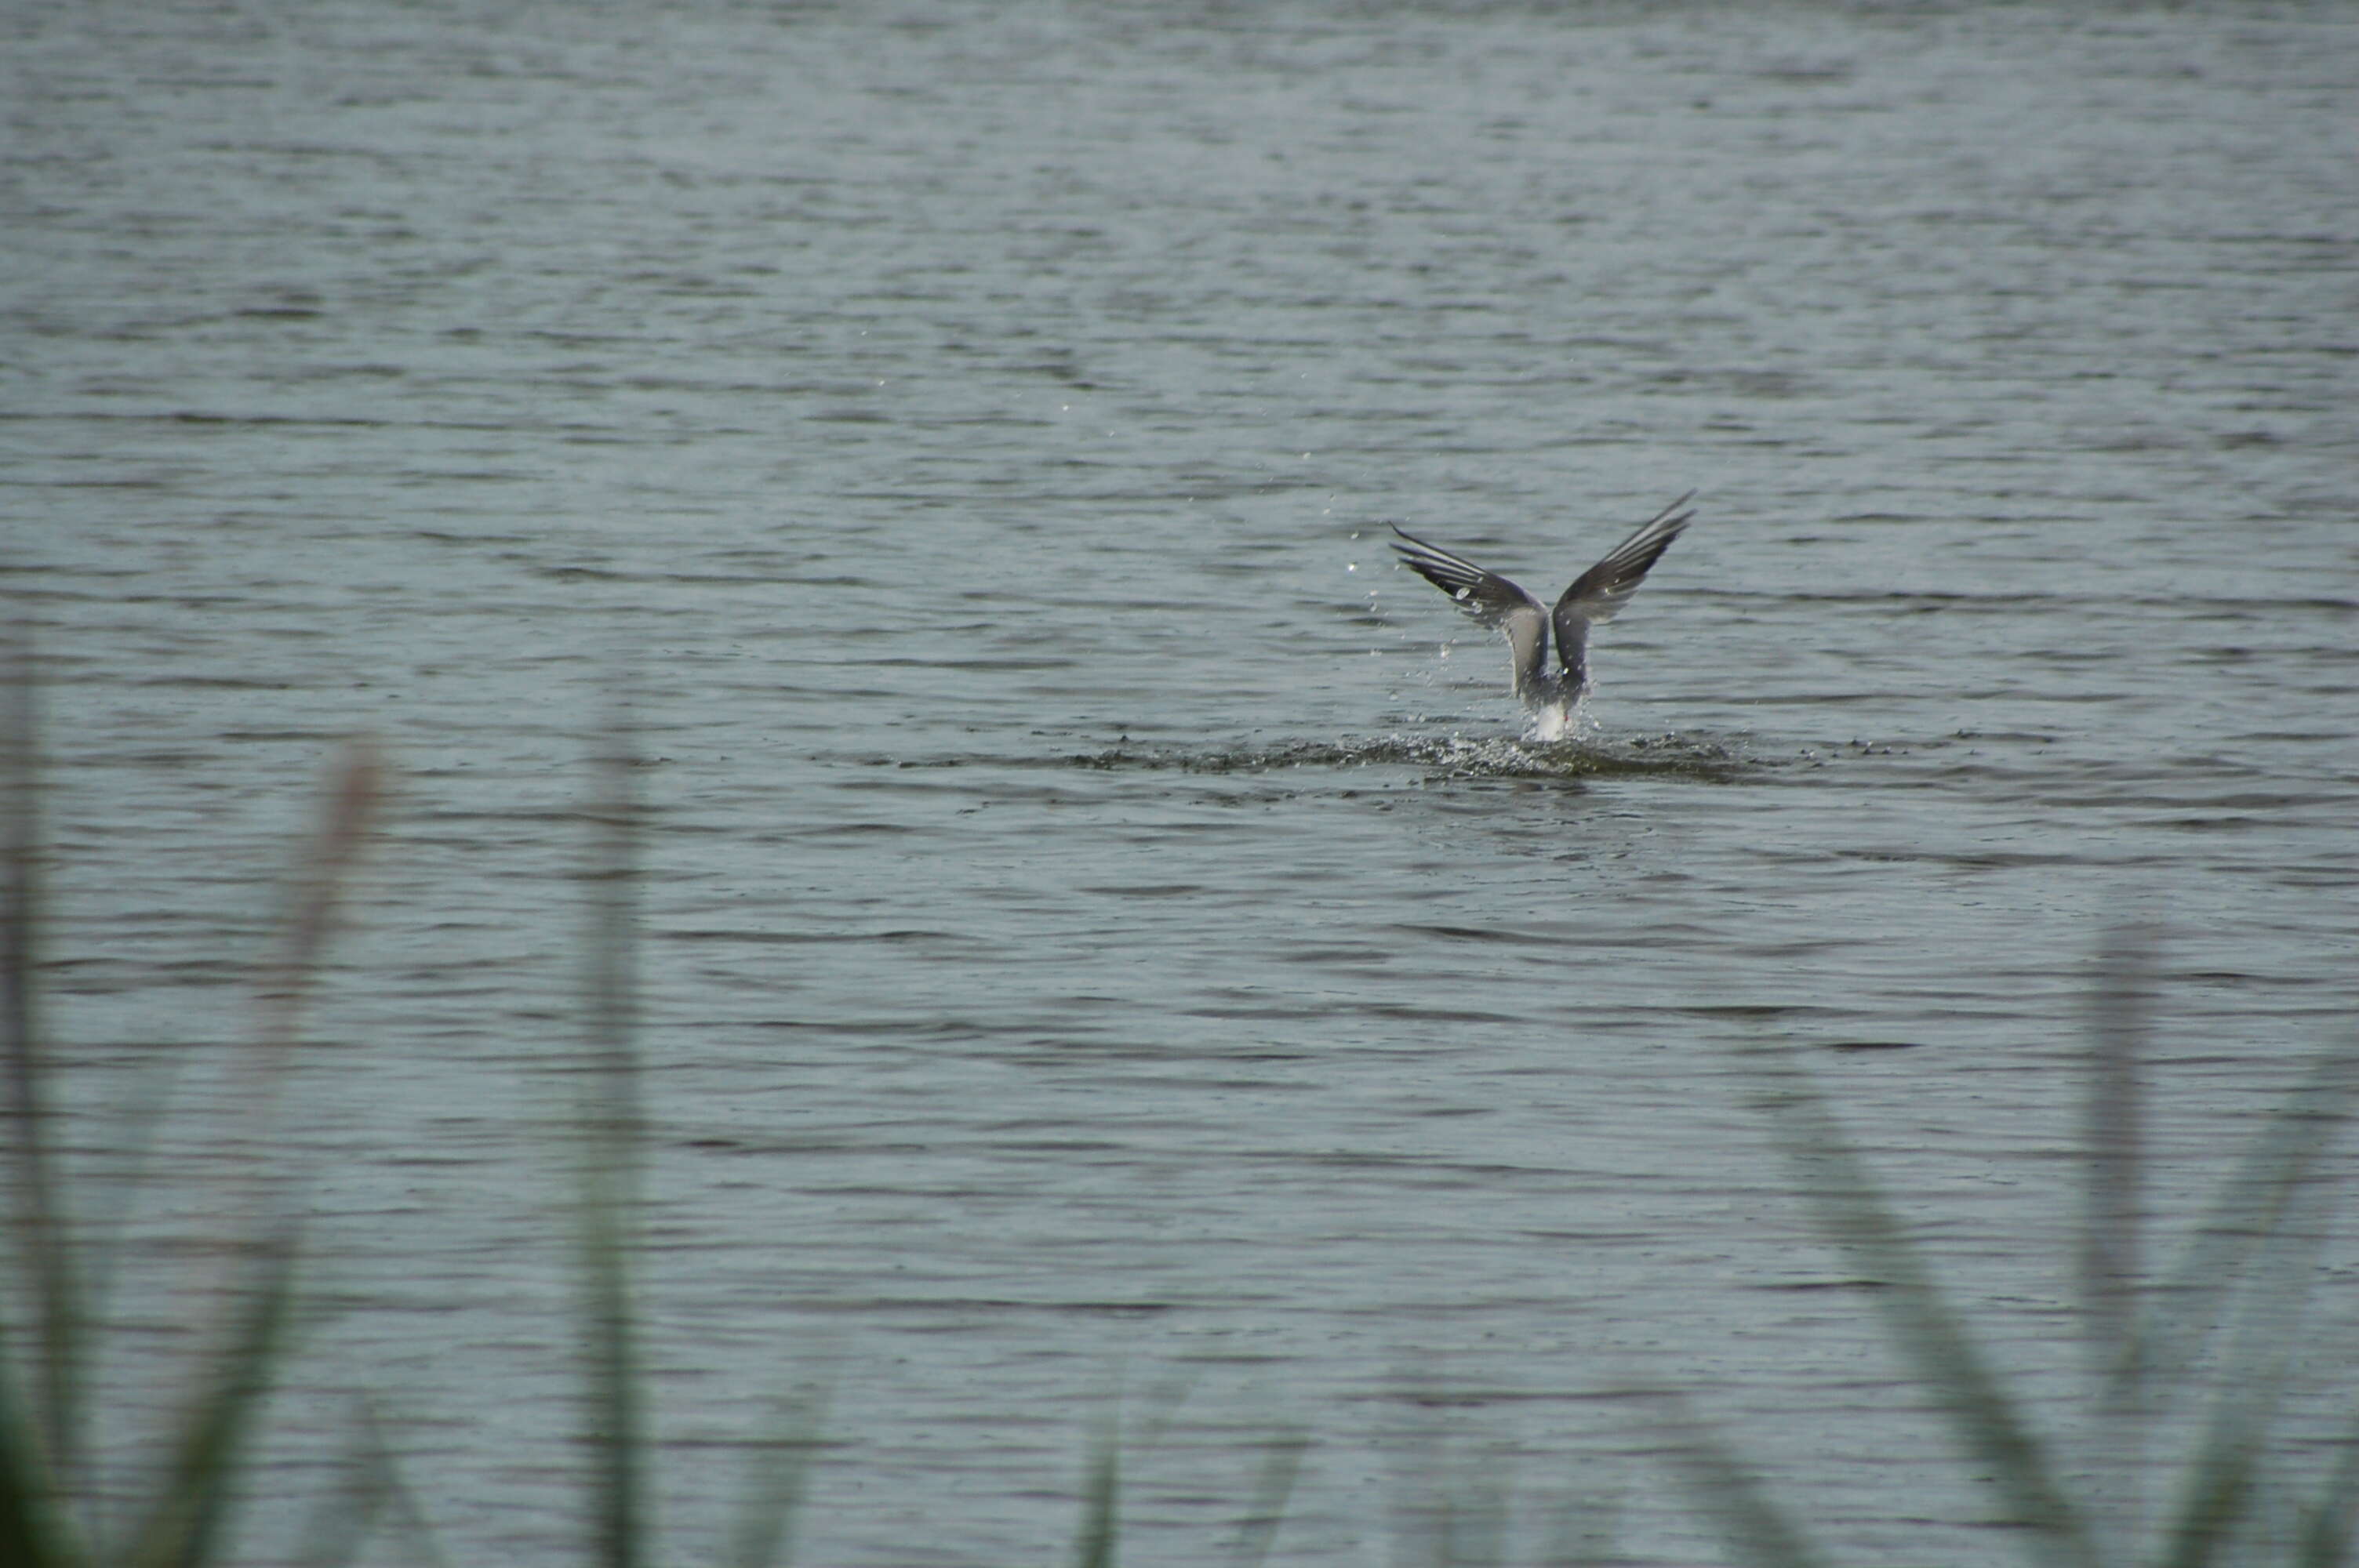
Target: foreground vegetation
[{"x": 2224, "y": 1323}]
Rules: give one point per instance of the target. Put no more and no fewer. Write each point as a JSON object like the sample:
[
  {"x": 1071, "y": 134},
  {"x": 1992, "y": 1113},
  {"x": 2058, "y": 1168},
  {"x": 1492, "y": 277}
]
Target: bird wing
[
  {"x": 1602, "y": 590},
  {"x": 1486, "y": 596}
]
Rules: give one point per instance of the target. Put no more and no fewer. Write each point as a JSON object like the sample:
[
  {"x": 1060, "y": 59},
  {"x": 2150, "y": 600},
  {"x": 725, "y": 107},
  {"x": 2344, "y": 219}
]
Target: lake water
[{"x": 1102, "y": 941}]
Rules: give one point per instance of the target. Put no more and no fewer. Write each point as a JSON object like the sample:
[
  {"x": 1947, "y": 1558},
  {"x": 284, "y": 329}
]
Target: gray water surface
[{"x": 1104, "y": 942}]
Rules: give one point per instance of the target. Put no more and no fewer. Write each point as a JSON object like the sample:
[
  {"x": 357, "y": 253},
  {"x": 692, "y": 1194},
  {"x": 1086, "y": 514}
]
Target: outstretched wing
[
  {"x": 1597, "y": 594},
  {"x": 1486, "y": 596}
]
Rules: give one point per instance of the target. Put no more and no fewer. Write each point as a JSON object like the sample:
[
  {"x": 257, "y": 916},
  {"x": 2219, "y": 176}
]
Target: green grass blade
[
  {"x": 182, "y": 1528},
  {"x": 105, "y": 1224},
  {"x": 1281, "y": 1466},
  {"x": 1922, "y": 1323},
  {"x": 2219, "y": 1485},
  {"x": 44, "y": 1231},
  {"x": 2326, "y": 1523},
  {"x": 323, "y": 871},
  {"x": 609, "y": 1151},
  {"x": 2247, "y": 1213},
  {"x": 385, "y": 1477},
  {"x": 339, "y": 1524},
  {"x": 2112, "y": 1250},
  {"x": 1756, "y": 1529},
  {"x": 29, "y": 1533},
  {"x": 775, "y": 1486},
  {"x": 1101, "y": 1502},
  {"x": 342, "y": 1522},
  {"x": 2114, "y": 1137},
  {"x": 614, "y": 1413}
]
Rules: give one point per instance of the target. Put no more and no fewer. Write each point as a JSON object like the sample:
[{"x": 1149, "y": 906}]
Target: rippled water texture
[{"x": 1103, "y": 937}]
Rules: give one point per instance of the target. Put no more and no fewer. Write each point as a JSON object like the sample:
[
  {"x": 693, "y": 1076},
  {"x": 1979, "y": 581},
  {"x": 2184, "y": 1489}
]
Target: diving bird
[{"x": 1549, "y": 696}]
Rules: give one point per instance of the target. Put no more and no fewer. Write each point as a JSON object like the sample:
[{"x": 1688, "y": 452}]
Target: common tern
[{"x": 1551, "y": 696}]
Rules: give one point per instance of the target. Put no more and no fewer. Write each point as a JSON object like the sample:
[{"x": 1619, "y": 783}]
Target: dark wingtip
[{"x": 1673, "y": 514}]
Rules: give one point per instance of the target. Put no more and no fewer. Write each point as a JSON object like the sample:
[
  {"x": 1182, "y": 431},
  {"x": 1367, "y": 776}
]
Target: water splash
[{"x": 1450, "y": 756}]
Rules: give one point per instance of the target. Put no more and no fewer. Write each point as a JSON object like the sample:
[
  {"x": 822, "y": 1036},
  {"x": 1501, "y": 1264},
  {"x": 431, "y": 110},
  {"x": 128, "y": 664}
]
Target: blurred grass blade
[
  {"x": 107, "y": 1223},
  {"x": 184, "y": 1525},
  {"x": 2247, "y": 1214},
  {"x": 2219, "y": 1489},
  {"x": 342, "y": 1525},
  {"x": 313, "y": 905},
  {"x": 1100, "y": 1500},
  {"x": 2219, "y": 1484},
  {"x": 28, "y": 1534},
  {"x": 1927, "y": 1332},
  {"x": 1281, "y": 1465},
  {"x": 2113, "y": 1134},
  {"x": 2326, "y": 1524},
  {"x": 1756, "y": 1529},
  {"x": 340, "y": 1521},
  {"x": 182, "y": 1521},
  {"x": 407, "y": 1514},
  {"x": 2112, "y": 1250},
  {"x": 775, "y": 1486},
  {"x": 48, "y": 1448},
  {"x": 608, "y": 1154},
  {"x": 613, "y": 1415}
]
